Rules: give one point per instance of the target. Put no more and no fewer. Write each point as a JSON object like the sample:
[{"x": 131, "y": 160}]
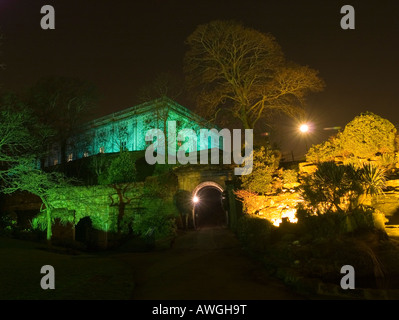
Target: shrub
[
  {"x": 330, "y": 186},
  {"x": 341, "y": 188},
  {"x": 155, "y": 224},
  {"x": 8, "y": 224},
  {"x": 369, "y": 134},
  {"x": 121, "y": 169},
  {"x": 255, "y": 233},
  {"x": 332, "y": 224},
  {"x": 325, "y": 151},
  {"x": 366, "y": 136},
  {"x": 290, "y": 176},
  {"x": 265, "y": 164}
]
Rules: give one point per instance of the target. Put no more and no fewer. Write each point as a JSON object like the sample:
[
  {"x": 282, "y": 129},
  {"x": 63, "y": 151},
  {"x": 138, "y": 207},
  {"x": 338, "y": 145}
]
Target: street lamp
[
  {"x": 304, "y": 128},
  {"x": 195, "y": 199}
]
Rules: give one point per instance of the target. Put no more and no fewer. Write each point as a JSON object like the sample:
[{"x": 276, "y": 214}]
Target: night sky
[{"x": 122, "y": 45}]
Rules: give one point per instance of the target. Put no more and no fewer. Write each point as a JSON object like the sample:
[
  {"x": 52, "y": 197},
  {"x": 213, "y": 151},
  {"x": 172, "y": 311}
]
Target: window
[
  {"x": 102, "y": 149},
  {"x": 55, "y": 162},
  {"x": 86, "y": 154},
  {"x": 123, "y": 146},
  {"x": 70, "y": 157}
]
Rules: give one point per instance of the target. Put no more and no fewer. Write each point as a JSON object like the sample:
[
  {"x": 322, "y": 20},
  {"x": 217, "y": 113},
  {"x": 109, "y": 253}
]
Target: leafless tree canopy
[
  {"x": 163, "y": 85},
  {"x": 242, "y": 72}
]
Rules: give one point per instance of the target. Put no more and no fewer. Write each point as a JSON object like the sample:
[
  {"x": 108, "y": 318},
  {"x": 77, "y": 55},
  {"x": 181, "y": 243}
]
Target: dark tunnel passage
[{"x": 209, "y": 210}]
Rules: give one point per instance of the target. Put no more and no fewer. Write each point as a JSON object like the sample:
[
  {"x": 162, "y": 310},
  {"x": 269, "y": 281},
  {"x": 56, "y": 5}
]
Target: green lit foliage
[
  {"x": 7, "y": 224},
  {"x": 122, "y": 169},
  {"x": 366, "y": 136},
  {"x": 341, "y": 188},
  {"x": 97, "y": 166},
  {"x": 15, "y": 137},
  {"x": 184, "y": 204},
  {"x": 158, "y": 218},
  {"x": 20, "y": 134},
  {"x": 265, "y": 164},
  {"x": 157, "y": 222},
  {"x": 25, "y": 177},
  {"x": 120, "y": 175}
]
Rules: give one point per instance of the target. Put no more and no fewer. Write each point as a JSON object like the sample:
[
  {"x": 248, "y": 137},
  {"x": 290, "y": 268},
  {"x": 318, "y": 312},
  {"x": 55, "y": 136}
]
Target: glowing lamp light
[
  {"x": 304, "y": 128},
  {"x": 195, "y": 199}
]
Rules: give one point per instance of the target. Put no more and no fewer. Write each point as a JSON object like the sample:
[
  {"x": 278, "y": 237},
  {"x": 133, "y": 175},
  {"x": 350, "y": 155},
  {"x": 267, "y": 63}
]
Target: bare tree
[
  {"x": 21, "y": 135},
  {"x": 241, "y": 72},
  {"x": 63, "y": 104},
  {"x": 163, "y": 85}
]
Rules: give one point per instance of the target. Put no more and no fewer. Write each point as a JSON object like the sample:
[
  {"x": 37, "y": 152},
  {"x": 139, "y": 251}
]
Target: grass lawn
[{"x": 77, "y": 276}]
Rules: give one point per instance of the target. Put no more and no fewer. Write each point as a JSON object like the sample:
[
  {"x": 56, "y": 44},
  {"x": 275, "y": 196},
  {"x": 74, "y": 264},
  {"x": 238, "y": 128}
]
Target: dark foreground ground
[{"x": 205, "y": 264}]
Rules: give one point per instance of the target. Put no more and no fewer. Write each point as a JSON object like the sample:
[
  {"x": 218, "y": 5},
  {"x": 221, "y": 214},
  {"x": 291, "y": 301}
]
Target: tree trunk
[
  {"x": 244, "y": 119},
  {"x": 121, "y": 210},
  {"x": 48, "y": 218}
]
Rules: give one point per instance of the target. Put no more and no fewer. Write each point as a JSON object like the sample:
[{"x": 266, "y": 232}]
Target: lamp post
[
  {"x": 195, "y": 201},
  {"x": 304, "y": 129}
]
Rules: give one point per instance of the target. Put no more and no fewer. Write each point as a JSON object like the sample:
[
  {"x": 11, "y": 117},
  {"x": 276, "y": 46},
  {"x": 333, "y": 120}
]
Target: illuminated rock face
[
  {"x": 274, "y": 207},
  {"x": 126, "y": 130}
]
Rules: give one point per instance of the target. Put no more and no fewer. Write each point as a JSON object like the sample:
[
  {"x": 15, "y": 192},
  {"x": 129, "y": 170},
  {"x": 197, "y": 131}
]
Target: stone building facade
[{"x": 126, "y": 130}]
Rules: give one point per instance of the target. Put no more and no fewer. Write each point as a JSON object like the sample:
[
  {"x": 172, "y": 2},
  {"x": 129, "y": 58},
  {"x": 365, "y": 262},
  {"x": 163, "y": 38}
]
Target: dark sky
[{"x": 121, "y": 45}]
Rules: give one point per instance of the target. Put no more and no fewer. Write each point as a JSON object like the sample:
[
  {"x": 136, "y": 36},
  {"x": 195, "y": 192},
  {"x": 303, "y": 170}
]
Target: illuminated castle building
[{"x": 126, "y": 130}]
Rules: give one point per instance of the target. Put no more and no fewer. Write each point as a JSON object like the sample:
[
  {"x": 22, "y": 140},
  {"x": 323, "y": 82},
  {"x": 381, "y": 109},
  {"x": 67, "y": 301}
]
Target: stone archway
[{"x": 197, "y": 189}]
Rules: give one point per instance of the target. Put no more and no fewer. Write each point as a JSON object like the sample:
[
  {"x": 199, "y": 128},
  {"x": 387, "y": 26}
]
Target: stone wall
[
  {"x": 388, "y": 203},
  {"x": 276, "y": 207},
  {"x": 100, "y": 203}
]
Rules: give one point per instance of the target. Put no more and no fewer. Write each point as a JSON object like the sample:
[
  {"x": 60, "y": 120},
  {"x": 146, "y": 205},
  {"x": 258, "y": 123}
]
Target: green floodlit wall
[
  {"x": 127, "y": 129},
  {"x": 100, "y": 203},
  {"x": 75, "y": 203}
]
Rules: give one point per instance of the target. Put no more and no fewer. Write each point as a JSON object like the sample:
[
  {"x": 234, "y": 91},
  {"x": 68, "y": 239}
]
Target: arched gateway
[
  {"x": 214, "y": 210},
  {"x": 200, "y": 181}
]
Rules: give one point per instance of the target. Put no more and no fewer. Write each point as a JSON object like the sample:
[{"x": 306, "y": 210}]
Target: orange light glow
[{"x": 304, "y": 128}]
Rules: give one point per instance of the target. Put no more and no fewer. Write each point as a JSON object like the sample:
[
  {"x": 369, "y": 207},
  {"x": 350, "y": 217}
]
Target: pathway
[{"x": 205, "y": 264}]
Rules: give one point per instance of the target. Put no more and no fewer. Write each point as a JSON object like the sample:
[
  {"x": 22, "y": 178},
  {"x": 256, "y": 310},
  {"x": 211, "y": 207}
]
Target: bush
[
  {"x": 156, "y": 222},
  {"x": 342, "y": 188},
  {"x": 254, "y": 233},
  {"x": 290, "y": 176},
  {"x": 369, "y": 134},
  {"x": 332, "y": 224},
  {"x": 121, "y": 169},
  {"x": 366, "y": 136},
  {"x": 265, "y": 165},
  {"x": 8, "y": 224}
]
